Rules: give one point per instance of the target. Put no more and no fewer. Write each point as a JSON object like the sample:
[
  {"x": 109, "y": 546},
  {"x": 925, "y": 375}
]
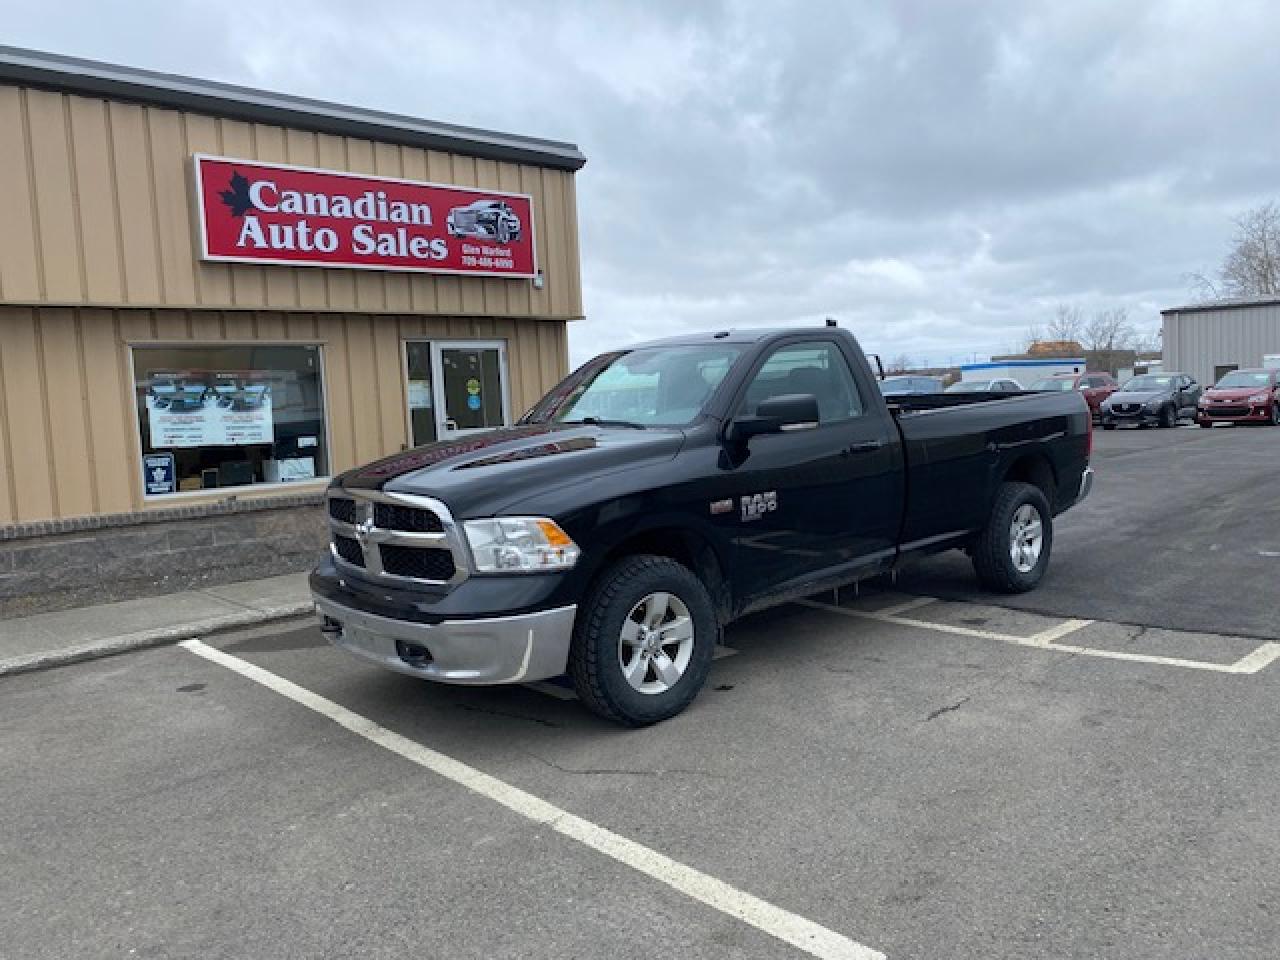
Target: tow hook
[{"x": 330, "y": 627}]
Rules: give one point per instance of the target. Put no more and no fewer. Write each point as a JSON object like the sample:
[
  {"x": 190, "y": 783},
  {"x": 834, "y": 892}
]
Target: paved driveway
[{"x": 879, "y": 773}]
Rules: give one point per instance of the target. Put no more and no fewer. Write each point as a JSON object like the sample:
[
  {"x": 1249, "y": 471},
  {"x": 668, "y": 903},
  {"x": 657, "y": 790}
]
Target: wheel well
[
  {"x": 687, "y": 549},
  {"x": 1036, "y": 470}
]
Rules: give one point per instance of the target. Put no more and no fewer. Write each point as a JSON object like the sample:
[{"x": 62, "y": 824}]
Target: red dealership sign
[{"x": 252, "y": 212}]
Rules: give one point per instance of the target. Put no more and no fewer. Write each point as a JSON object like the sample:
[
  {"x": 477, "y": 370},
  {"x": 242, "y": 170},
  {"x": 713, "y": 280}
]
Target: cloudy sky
[{"x": 938, "y": 176}]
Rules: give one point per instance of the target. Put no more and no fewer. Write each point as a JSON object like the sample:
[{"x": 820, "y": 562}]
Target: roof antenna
[{"x": 831, "y": 322}]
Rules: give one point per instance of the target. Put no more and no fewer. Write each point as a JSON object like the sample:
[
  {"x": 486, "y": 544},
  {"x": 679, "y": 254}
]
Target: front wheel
[
  {"x": 1169, "y": 417},
  {"x": 1275, "y": 414},
  {"x": 643, "y": 642},
  {"x": 1012, "y": 552}
]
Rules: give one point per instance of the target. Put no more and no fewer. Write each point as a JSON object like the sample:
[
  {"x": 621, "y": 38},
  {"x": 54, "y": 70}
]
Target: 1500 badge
[{"x": 756, "y": 505}]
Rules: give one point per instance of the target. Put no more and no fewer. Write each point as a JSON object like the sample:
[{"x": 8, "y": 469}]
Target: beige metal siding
[
  {"x": 69, "y": 441},
  {"x": 97, "y": 211},
  {"x": 1197, "y": 341}
]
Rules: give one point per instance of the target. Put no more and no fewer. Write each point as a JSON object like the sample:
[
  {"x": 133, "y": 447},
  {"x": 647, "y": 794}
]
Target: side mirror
[{"x": 792, "y": 411}]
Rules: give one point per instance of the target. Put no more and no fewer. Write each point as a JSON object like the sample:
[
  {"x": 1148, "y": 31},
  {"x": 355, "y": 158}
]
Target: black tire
[
  {"x": 1108, "y": 426},
  {"x": 1207, "y": 426},
  {"x": 594, "y": 663},
  {"x": 1169, "y": 417},
  {"x": 1275, "y": 414},
  {"x": 992, "y": 551}
]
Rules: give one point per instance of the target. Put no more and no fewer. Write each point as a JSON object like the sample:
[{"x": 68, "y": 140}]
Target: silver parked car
[{"x": 485, "y": 220}]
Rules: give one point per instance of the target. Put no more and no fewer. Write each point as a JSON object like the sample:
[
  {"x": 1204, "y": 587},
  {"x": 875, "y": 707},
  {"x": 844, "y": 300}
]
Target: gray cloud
[{"x": 937, "y": 175}]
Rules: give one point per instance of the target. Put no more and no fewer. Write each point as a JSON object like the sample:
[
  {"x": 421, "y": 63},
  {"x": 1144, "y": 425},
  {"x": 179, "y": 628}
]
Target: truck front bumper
[
  {"x": 1086, "y": 484},
  {"x": 511, "y": 649}
]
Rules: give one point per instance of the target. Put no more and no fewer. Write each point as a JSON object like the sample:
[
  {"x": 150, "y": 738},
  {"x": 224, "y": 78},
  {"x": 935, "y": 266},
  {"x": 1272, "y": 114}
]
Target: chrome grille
[
  {"x": 396, "y": 516},
  {"x": 416, "y": 563},
  {"x": 348, "y": 549},
  {"x": 340, "y": 508},
  {"x": 395, "y": 537}
]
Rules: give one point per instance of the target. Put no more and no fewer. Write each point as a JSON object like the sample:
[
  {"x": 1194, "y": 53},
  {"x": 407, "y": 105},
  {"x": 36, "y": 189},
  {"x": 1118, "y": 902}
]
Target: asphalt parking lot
[{"x": 914, "y": 770}]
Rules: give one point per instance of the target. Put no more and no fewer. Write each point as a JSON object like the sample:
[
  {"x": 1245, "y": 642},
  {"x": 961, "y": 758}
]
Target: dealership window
[{"x": 217, "y": 416}]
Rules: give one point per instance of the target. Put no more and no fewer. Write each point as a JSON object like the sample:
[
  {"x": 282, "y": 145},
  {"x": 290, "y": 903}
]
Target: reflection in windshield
[
  {"x": 651, "y": 386},
  {"x": 1146, "y": 383},
  {"x": 970, "y": 387},
  {"x": 1053, "y": 383}
]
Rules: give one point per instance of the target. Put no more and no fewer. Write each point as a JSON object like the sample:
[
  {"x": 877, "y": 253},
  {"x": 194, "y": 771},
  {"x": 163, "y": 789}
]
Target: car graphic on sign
[
  {"x": 485, "y": 220},
  {"x": 235, "y": 394},
  {"x": 176, "y": 395}
]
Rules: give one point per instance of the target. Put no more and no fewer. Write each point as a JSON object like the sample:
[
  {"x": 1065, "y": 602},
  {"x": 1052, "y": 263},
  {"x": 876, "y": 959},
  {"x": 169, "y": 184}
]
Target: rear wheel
[
  {"x": 643, "y": 642},
  {"x": 1012, "y": 552}
]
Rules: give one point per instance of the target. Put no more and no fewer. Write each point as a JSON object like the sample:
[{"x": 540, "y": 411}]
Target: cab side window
[{"x": 818, "y": 368}]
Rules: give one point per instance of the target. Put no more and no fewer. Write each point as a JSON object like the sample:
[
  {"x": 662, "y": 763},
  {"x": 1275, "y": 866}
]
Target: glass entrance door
[
  {"x": 455, "y": 387},
  {"x": 422, "y": 408}
]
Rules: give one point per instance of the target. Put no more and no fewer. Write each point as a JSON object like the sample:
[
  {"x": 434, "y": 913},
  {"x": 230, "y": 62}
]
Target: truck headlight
[
  {"x": 1259, "y": 398},
  {"x": 519, "y": 545}
]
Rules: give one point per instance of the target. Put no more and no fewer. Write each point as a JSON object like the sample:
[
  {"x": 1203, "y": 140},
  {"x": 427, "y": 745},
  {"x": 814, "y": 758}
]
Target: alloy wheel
[
  {"x": 656, "y": 643},
  {"x": 1026, "y": 538}
]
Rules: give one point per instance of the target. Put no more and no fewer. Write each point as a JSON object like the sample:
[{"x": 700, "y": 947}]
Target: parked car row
[{"x": 1151, "y": 399}]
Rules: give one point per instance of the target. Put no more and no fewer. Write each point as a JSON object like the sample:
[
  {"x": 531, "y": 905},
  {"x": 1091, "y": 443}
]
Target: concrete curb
[{"x": 110, "y": 646}]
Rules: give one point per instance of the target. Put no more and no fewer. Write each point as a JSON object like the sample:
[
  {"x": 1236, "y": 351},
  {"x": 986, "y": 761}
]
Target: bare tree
[
  {"x": 1147, "y": 341},
  {"x": 1252, "y": 268},
  {"x": 1107, "y": 330},
  {"x": 1200, "y": 287},
  {"x": 1067, "y": 323},
  {"x": 1034, "y": 334},
  {"x": 900, "y": 364},
  {"x": 1252, "y": 265}
]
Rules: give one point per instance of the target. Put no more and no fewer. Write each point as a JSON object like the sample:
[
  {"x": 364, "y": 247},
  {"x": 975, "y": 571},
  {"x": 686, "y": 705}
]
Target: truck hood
[{"x": 478, "y": 474}]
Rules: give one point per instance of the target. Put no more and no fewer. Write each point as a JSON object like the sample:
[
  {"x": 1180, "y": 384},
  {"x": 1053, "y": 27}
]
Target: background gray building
[{"x": 1209, "y": 339}]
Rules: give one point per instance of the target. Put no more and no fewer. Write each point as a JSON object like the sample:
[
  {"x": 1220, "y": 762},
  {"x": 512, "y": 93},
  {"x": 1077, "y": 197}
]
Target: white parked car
[{"x": 998, "y": 385}]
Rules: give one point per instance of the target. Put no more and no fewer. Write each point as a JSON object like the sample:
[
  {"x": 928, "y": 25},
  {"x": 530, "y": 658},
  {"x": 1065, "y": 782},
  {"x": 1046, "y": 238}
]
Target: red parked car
[
  {"x": 1242, "y": 396},
  {"x": 1096, "y": 387}
]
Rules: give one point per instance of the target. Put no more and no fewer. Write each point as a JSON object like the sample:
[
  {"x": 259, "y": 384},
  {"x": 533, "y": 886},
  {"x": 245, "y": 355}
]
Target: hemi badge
[{"x": 722, "y": 506}]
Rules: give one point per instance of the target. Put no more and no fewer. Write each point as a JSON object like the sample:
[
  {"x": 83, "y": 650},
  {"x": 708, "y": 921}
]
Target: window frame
[
  {"x": 151, "y": 499},
  {"x": 735, "y": 407}
]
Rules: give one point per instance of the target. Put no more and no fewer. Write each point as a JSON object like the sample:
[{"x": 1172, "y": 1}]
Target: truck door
[{"x": 814, "y": 500}]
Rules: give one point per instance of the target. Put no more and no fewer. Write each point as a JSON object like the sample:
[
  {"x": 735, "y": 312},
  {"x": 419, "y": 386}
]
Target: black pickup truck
[{"x": 662, "y": 491}]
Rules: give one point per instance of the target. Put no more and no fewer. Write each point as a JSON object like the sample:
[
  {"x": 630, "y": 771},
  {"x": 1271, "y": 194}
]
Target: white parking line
[
  {"x": 1045, "y": 637},
  {"x": 1264, "y": 655},
  {"x": 913, "y": 604},
  {"x": 791, "y": 928}
]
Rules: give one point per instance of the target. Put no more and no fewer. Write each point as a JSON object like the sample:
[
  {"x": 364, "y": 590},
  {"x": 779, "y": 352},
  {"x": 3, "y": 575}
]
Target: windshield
[
  {"x": 1146, "y": 383},
  {"x": 1242, "y": 378},
  {"x": 651, "y": 386},
  {"x": 1053, "y": 383},
  {"x": 970, "y": 386},
  {"x": 895, "y": 385}
]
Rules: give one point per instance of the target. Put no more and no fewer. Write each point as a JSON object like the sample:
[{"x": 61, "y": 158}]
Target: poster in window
[
  {"x": 204, "y": 409},
  {"x": 159, "y": 473}
]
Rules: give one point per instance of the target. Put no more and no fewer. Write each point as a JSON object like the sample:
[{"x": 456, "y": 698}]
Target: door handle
[{"x": 865, "y": 446}]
